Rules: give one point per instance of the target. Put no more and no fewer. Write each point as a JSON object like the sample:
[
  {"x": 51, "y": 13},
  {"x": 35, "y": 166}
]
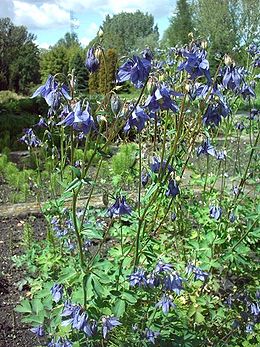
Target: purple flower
[
  {"x": 42, "y": 123},
  {"x": 136, "y": 70},
  {"x": 108, "y": 323},
  {"x": 156, "y": 166},
  {"x": 45, "y": 89},
  {"x": 173, "y": 282},
  {"x": 138, "y": 278},
  {"x": 80, "y": 120},
  {"x": 52, "y": 93},
  {"x": 215, "y": 212},
  {"x": 206, "y": 148},
  {"x": 255, "y": 309},
  {"x": 61, "y": 342},
  {"x": 92, "y": 63},
  {"x": 78, "y": 319},
  {"x": 57, "y": 292},
  {"x": 162, "y": 267},
  {"x": 39, "y": 331},
  {"x": 214, "y": 112},
  {"x": 198, "y": 273},
  {"x": 247, "y": 91},
  {"x": 249, "y": 328},
  {"x": 195, "y": 64},
  {"x": 165, "y": 303},
  {"x": 145, "y": 179},
  {"x": 161, "y": 100},
  {"x": 254, "y": 113},
  {"x": 221, "y": 155},
  {"x": 30, "y": 139},
  {"x": 232, "y": 217},
  {"x": 151, "y": 335},
  {"x": 153, "y": 280},
  {"x": 240, "y": 126},
  {"x": 137, "y": 119},
  {"x": 173, "y": 189},
  {"x": 119, "y": 208},
  {"x": 232, "y": 77},
  {"x": 236, "y": 190}
]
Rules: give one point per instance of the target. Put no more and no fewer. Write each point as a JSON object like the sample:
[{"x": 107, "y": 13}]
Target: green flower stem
[
  {"x": 245, "y": 234},
  {"x": 77, "y": 231},
  {"x": 137, "y": 240}
]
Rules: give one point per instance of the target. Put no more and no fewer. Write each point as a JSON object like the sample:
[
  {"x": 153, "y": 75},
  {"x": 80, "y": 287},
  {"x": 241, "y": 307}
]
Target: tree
[
  {"x": 103, "y": 80},
  {"x": 217, "y": 21},
  {"x": 77, "y": 64},
  {"x": 180, "y": 25},
  {"x": 124, "y": 31},
  {"x": 19, "y": 57},
  {"x": 59, "y": 58}
]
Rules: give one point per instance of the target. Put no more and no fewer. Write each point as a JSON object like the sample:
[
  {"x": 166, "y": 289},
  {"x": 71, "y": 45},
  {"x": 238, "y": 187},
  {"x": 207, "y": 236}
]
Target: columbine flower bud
[
  {"x": 100, "y": 33},
  {"x": 115, "y": 104},
  {"x": 98, "y": 53},
  {"x": 204, "y": 44},
  {"x": 227, "y": 60}
]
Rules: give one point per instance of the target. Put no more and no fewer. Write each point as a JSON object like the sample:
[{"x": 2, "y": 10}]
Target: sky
[{"x": 49, "y": 20}]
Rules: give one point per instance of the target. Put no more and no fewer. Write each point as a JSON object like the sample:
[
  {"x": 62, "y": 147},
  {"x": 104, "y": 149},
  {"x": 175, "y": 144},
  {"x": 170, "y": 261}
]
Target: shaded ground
[{"x": 12, "y": 331}]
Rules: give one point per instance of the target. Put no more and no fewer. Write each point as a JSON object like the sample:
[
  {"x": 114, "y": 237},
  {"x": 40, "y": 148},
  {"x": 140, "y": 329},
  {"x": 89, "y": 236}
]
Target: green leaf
[
  {"x": 76, "y": 171},
  {"x": 24, "y": 307},
  {"x": 199, "y": 318},
  {"x": 119, "y": 308},
  {"x": 129, "y": 297},
  {"x": 37, "y": 306}
]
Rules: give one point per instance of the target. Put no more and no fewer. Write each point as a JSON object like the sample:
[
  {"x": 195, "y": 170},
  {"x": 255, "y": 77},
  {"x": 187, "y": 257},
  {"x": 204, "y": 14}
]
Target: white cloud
[
  {"x": 44, "y": 45},
  {"x": 45, "y": 15},
  {"x": 6, "y": 8},
  {"x": 157, "y": 8},
  {"x": 90, "y": 33}
]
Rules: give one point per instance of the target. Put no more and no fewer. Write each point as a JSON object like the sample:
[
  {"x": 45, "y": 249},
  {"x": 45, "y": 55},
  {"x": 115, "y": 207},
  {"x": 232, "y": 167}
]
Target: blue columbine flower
[
  {"x": 92, "y": 62},
  {"x": 196, "y": 63},
  {"x": 78, "y": 319},
  {"x": 215, "y": 212},
  {"x": 137, "y": 119},
  {"x": 161, "y": 99},
  {"x": 247, "y": 91},
  {"x": 249, "y": 328},
  {"x": 232, "y": 77},
  {"x": 30, "y": 139},
  {"x": 39, "y": 331},
  {"x": 144, "y": 178},
  {"x": 206, "y": 148},
  {"x": 52, "y": 93},
  {"x": 165, "y": 303},
  {"x": 138, "y": 278},
  {"x": 61, "y": 342},
  {"x": 221, "y": 155},
  {"x": 153, "y": 280},
  {"x": 232, "y": 217},
  {"x": 151, "y": 335},
  {"x": 57, "y": 292},
  {"x": 108, "y": 323},
  {"x": 156, "y": 165},
  {"x": 214, "y": 112},
  {"x": 198, "y": 273},
  {"x": 173, "y": 189},
  {"x": 173, "y": 282},
  {"x": 80, "y": 120},
  {"x": 136, "y": 70},
  {"x": 240, "y": 126},
  {"x": 162, "y": 267},
  {"x": 119, "y": 208}
]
